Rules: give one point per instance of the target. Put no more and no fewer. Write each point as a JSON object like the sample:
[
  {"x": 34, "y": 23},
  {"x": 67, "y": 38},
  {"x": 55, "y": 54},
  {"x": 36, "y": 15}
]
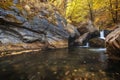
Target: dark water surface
[{"x": 62, "y": 64}]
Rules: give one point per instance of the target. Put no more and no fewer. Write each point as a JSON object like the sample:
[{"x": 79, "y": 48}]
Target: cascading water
[
  {"x": 102, "y": 34},
  {"x": 86, "y": 45}
]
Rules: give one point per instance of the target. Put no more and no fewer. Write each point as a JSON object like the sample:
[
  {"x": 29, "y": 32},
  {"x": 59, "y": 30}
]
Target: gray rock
[
  {"x": 15, "y": 1},
  {"x": 17, "y": 27}
]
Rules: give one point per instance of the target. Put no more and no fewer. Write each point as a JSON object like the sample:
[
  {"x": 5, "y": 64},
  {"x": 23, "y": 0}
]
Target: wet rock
[
  {"x": 97, "y": 43},
  {"x": 112, "y": 42},
  {"x": 87, "y": 31},
  {"x": 82, "y": 39},
  {"x": 107, "y": 32},
  {"x": 94, "y": 34},
  {"x": 71, "y": 41},
  {"x": 73, "y": 35}
]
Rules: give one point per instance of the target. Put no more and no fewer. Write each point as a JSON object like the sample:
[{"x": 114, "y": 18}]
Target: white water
[
  {"x": 97, "y": 49},
  {"x": 102, "y": 34},
  {"x": 86, "y": 45}
]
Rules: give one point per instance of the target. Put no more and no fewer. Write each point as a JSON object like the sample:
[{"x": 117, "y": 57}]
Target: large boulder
[
  {"x": 73, "y": 35},
  {"x": 113, "y": 43},
  {"x": 87, "y": 31},
  {"x": 97, "y": 43},
  {"x": 26, "y": 25}
]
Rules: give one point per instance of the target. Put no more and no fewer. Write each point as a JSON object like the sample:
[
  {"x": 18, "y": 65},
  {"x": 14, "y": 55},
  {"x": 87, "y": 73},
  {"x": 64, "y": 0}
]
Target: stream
[{"x": 60, "y": 64}]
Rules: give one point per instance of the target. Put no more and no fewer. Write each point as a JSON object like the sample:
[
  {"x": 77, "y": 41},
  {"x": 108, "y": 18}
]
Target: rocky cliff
[{"x": 29, "y": 24}]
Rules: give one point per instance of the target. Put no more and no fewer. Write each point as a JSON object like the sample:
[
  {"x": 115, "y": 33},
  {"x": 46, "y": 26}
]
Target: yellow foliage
[
  {"x": 75, "y": 10},
  {"x": 5, "y": 4},
  {"x": 20, "y": 7}
]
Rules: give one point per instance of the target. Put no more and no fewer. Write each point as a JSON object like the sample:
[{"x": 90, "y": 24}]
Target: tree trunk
[
  {"x": 111, "y": 10},
  {"x": 91, "y": 13},
  {"x": 116, "y": 11}
]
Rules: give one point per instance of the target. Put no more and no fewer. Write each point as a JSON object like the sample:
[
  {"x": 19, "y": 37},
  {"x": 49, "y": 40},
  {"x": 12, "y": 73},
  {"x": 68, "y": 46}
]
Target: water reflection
[
  {"x": 62, "y": 64},
  {"x": 113, "y": 69}
]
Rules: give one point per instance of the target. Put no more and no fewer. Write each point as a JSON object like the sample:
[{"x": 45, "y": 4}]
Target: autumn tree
[
  {"x": 59, "y": 4},
  {"x": 100, "y": 12},
  {"x": 114, "y": 10},
  {"x": 76, "y": 11}
]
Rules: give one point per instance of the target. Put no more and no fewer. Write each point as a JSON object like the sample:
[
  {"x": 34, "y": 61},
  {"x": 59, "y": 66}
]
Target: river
[{"x": 61, "y": 64}]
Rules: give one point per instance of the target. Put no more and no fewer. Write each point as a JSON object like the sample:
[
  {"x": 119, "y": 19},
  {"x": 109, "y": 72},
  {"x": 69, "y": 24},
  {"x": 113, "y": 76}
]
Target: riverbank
[
  {"x": 17, "y": 52},
  {"x": 15, "y": 49}
]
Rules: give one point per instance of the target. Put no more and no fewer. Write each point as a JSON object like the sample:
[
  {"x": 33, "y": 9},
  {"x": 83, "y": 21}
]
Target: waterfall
[
  {"x": 102, "y": 34},
  {"x": 86, "y": 45}
]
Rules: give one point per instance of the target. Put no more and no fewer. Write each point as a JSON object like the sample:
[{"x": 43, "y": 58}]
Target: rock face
[
  {"x": 32, "y": 25},
  {"x": 113, "y": 43}
]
